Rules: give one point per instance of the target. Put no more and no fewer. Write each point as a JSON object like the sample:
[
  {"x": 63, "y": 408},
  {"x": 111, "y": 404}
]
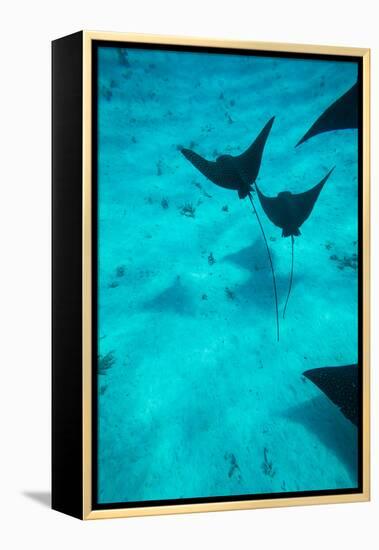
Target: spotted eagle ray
[
  {"x": 239, "y": 173},
  {"x": 289, "y": 211},
  {"x": 341, "y": 386},
  {"x": 234, "y": 172},
  {"x": 342, "y": 114}
]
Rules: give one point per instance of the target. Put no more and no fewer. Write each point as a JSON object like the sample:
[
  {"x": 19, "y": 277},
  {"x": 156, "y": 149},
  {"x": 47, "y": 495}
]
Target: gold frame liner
[{"x": 88, "y": 513}]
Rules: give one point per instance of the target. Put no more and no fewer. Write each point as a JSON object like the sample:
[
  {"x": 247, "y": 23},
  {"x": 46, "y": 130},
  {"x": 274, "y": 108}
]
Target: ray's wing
[
  {"x": 211, "y": 170},
  {"x": 249, "y": 162},
  {"x": 340, "y": 115},
  {"x": 303, "y": 203},
  {"x": 341, "y": 386}
]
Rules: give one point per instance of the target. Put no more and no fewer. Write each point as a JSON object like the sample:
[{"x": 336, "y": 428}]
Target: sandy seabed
[{"x": 196, "y": 396}]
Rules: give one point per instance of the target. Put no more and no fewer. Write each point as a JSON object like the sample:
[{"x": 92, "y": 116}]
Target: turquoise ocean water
[{"x": 196, "y": 397}]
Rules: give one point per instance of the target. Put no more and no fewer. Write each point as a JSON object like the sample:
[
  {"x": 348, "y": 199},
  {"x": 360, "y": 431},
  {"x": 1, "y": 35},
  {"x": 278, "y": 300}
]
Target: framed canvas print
[{"x": 210, "y": 275}]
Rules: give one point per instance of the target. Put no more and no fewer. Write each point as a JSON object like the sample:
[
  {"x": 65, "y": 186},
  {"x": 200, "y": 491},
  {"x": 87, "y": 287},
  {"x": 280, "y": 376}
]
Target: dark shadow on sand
[
  {"x": 334, "y": 431},
  {"x": 258, "y": 286},
  {"x": 176, "y": 298}
]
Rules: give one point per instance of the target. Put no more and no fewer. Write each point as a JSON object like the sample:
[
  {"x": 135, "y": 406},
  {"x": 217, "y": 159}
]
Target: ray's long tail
[
  {"x": 291, "y": 277},
  {"x": 271, "y": 264}
]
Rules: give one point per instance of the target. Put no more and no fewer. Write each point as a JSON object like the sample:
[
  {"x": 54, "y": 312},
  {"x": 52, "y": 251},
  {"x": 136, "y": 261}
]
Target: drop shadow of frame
[{"x": 41, "y": 497}]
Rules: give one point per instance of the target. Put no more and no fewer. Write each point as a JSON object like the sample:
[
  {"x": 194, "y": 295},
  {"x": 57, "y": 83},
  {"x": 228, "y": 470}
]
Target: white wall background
[{"x": 27, "y": 29}]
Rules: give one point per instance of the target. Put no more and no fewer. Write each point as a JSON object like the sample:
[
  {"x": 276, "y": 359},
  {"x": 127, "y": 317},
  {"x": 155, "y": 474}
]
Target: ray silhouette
[
  {"x": 341, "y": 386},
  {"x": 239, "y": 173},
  {"x": 342, "y": 114},
  {"x": 289, "y": 211}
]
